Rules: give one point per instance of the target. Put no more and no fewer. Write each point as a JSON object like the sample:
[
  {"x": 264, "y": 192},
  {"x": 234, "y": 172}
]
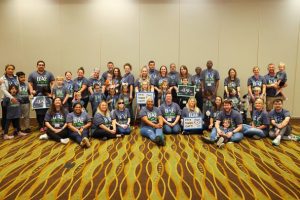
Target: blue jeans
[
  {"x": 171, "y": 130},
  {"x": 236, "y": 137},
  {"x": 151, "y": 133},
  {"x": 78, "y": 138},
  {"x": 123, "y": 131},
  {"x": 250, "y": 131}
]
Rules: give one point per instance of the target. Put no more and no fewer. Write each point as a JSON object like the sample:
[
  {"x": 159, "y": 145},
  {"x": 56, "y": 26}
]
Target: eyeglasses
[{"x": 121, "y": 103}]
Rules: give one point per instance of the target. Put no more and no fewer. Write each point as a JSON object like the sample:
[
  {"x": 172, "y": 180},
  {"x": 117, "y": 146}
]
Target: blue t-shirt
[
  {"x": 152, "y": 115},
  {"x": 69, "y": 85},
  {"x": 234, "y": 117},
  {"x": 279, "y": 116},
  {"x": 57, "y": 120},
  {"x": 60, "y": 92},
  {"x": 112, "y": 104},
  {"x": 78, "y": 83},
  {"x": 256, "y": 82},
  {"x": 101, "y": 119},
  {"x": 121, "y": 116},
  {"x": 24, "y": 93},
  {"x": 271, "y": 92},
  {"x": 153, "y": 73},
  {"x": 13, "y": 109},
  {"x": 232, "y": 84},
  {"x": 281, "y": 75},
  {"x": 159, "y": 80},
  {"x": 95, "y": 99},
  {"x": 41, "y": 81},
  {"x": 260, "y": 118},
  {"x": 128, "y": 78},
  {"x": 173, "y": 78},
  {"x": 196, "y": 80},
  {"x": 170, "y": 112},
  {"x": 93, "y": 81},
  {"x": 186, "y": 113},
  {"x": 210, "y": 76},
  {"x": 78, "y": 120}
]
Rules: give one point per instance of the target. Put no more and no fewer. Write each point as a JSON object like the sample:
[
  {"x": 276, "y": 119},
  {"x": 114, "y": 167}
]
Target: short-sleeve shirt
[
  {"x": 256, "y": 82},
  {"x": 170, "y": 112},
  {"x": 93, "y": 81},
  {"x": 78, "y": 120},
  {"x": 152, "y": 115},
  {"x": 100, "y": 119},
  {"x": 153, "y": 74},
  {"x": 210, "y": 76},
  {"x": 138, "y": 83},
  {"x": 281, "y": 75},
  {"x": 24, "y": 93},
  {"x": 234, "y": 117},
  {"x": 78, "y": 83},
  {"x": 41, "y": 81},
  {"x": 121, "y": 116},
  {"x": 186, "y": 113},
  {"x": 57, "y": 120},
  {"x": 173, "y": 78},
  {"x": 159, "y": 80},
  {"x": 196, "y": 80},
  {"x": 70, "y": 87},
  {"x": 60, "y": 92},
  {"x": 260, "y": 118},
  {"x": 232, "y": 84},
  {"x": 128, "y": 78},
  {"x": 279, "y": 116},
  {"x": 112, "y": 104},
  {"x": 13, "y": 109},
  {"x": 271, "y": 91},
  {"x": 95, "y": 99}
]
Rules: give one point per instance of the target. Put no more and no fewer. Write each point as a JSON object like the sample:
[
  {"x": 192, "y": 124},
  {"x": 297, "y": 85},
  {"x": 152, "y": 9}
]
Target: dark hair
[
  {"x": 52, "y": 109},
  {"x": 80, "y": 68},
  {"x": 68, "y": 72},
  {"x": 76, "y": 103},
  {"x": 151, "y": 61},
  {"x": 187, "y": 71},
  {"x": 119, "y": 77},
  {"x": 110, "y": 63},
  {"x": 40, "y": 61},
  {"x": 227, "y": 101},
  {"x": 215, "y": 108},
  {"x": 20, "y": 74},
  {"x": 277, "y": 101},
  {"x": 96, "y": 84},
  {"x": 234, "y": 72},
  {"x": 127, "y": 64},
  {"x": 207, "y": 93},
  {"x": 9, "y": 65},
  {"x": 13, "y": 86}
]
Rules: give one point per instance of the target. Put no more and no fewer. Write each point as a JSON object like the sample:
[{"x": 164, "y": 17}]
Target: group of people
[{"x": 112, "y": 98}]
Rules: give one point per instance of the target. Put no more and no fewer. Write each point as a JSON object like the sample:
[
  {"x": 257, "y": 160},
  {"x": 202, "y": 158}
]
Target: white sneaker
[
  {"x": 64, "y": 141},
  {"x": 8, "y": 137},
  {"x": 44, "y": 137},
  {"x": 276, "y": 141}
]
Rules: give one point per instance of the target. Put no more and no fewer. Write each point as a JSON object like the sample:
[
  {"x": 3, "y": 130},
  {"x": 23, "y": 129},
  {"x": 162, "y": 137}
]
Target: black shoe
[
  {"x": 27, "y": 130},
  {"x": 104, "y": 138},
  {"x": 207, "y": 140}
]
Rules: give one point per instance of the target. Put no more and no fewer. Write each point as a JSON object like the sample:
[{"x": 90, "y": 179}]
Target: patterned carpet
[{"x": 135, "y": 168}]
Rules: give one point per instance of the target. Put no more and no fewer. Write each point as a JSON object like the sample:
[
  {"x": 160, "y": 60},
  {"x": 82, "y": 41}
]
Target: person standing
[
  {"x": 271, "y": 87},
  {"x": 210, "y": 79},
  {"x": 40, "y": 84}
]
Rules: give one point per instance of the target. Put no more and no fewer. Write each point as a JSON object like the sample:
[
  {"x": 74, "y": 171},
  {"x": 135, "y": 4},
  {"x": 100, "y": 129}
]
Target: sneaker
[
  {"x": 256, "y": 137},
  {"x": 20, "y": 133},
  {"x": 64, "y": 141},
  {"x": 220, "y": 141},
  {"x": 276, "y": 142},
  {"x": 207, "y": 140},
  {"x": 221, "y": 145},
  {"x": 8, "y": 137},
  {"x": 157, "y": 140},
  {"x": 44, "y": 137},
  {"x": 85, "y": 142}
]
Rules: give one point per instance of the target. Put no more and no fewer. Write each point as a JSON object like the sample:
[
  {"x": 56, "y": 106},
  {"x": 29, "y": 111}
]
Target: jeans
[
  {"x": 236, "y": 137},
  {"x": 151, "y": 132},
  {"x": 15, "y": 122},
  {"x": 250, "y": 131},
  {"x": 284, "y": 131},
  {"x": 101, "y": 133},
  {"x": 57, "y": 136},
  {"x": 171, "y": 130},
  {"x": 78, "y": 138},
  {"x": 123, "y": 131}
]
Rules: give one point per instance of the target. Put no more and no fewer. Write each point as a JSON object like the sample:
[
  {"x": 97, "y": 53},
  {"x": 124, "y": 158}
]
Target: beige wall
[{"x": 233, "y": 33}]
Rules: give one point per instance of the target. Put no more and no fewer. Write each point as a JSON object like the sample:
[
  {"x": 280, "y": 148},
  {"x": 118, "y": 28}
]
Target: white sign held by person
[
  {"x": 190, "y": 123},
  {"x": 141, "y": 97},
  {"x": 41, "y": 102}
]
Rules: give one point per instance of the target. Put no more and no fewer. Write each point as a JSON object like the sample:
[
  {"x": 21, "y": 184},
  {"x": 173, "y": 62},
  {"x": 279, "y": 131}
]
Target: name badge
[
  {"x": 184, "y": 102},
  {"x": 56, "y": 126},
  {"x": 209, "y": 84},
  {"x": 169, "y": 119},
  {"x": 197, "y": 90}
]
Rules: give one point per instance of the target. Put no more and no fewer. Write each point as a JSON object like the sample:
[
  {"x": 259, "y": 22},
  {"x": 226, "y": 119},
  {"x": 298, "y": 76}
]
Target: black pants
[
  {"x": 85, "y": 102},
  {"x": 4, "y": 111},
  {"x": 69, "y": 102},
  {"x": 57, "y": 136},
  {"x": 40, "y": 116},
  {"x": 199, "y": 99},
  {"x": 174, "y": 96},
  {"x": 100, "y": 133},
  {"x": 15, "y": 122}
]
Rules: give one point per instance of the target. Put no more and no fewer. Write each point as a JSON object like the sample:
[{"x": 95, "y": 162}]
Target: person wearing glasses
[{"x": 121, "y": 117}]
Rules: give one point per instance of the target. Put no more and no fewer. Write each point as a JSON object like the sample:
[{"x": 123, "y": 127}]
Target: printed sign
[
  {"x": 141, "y": 97},
  {"x": 186, "y": 90},
  {"x": 41, "y": 102},
  {"x": 192, "y": 123}
]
